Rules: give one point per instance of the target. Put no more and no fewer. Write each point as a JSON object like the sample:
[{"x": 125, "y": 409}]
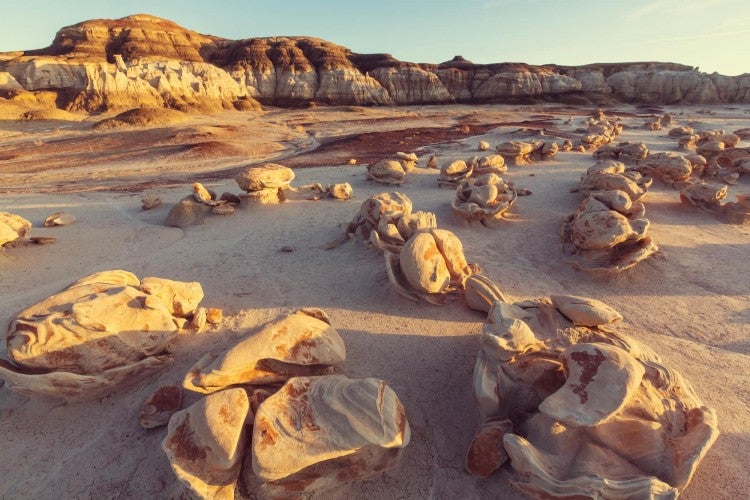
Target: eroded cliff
[{"x": 143, "y": 60}]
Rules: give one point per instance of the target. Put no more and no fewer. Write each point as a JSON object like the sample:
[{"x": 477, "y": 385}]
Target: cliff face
[{"x": 146, "y": 61}]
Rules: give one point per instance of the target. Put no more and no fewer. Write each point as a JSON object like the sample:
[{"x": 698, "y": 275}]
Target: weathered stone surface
[
  {"x": 12, "y": 227},
  {"x": 605, "y": 237},
  {"x": 483, "y": 199},
  {"x": 372, "y": 210},
  {"x": 613, "y": 421},
  {"x": 600, "y": 381},
  {"x": 298, "y": 344},
  {"x": 451, "y": 174},
  {"x": 160, "y": 406},
  {"x": 318, "y": 432},
  {"x": 622, "y": 151},
  {"x": 205, "y": 443},
  {"x": 92, "y": 336}
]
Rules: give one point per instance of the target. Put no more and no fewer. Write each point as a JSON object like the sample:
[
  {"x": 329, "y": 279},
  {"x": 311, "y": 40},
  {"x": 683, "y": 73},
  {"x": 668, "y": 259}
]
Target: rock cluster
[
  {"x": 575, "y": 409},
  {"x": 518, "y": 153},
  {"x": 104, "y": 332},
  {"x": 485, "y": 198},
  {"x": 276, "y": 418},
  {"x": 607, "y": 233},
  {"x": 392, "y": 171},
  {"x": 626, "y": 151},
  {"x": 710, "y": 197}
]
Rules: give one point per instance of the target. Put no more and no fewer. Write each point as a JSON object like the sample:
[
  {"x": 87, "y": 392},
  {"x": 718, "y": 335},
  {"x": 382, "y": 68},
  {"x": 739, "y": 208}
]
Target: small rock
[
  {"x": 288, "y": 249},
  {"x": 224, "y": 209},
  {"x": 214, "y": 315},
  {"x": 148, "y": 202},
  {"x": 59, "y": 219},
  {"x": 484, "y": 145}
]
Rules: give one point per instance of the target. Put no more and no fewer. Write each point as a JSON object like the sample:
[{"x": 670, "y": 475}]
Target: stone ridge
[{"x": 106, "y": 64}]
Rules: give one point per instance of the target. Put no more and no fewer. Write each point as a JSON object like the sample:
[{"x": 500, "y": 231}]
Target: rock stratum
[{"x": 141, "y": 60}]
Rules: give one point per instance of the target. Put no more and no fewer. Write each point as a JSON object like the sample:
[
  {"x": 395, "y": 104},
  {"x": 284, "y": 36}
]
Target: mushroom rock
[
  {"x": 516, "y": 153},
  {"x": 298, "y": 344},
  {"x": 601, "y": 379},
  {"x": 103, "y": 332},
  {"x": 408, "y": 160},
  {"x": 386, "y": 172},
  {"x": 205, "y": 443},
  {"x": 585, "y": 311},
  {"x": 160, "y": 406},
  {"x": 12, "y": 227},
  {"x": 265, "y": 176},
  {"x": 318, "y": 432}
]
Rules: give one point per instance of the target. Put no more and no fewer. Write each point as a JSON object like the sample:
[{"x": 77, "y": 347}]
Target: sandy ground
[{"x": 690, "y": 303}]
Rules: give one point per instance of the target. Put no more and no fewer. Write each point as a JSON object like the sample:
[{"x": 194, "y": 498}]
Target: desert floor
[{"x": 690, "y": 303}]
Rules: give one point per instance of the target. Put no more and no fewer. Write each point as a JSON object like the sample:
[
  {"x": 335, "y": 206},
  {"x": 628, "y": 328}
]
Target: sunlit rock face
[{"x": 106, "y": 64}]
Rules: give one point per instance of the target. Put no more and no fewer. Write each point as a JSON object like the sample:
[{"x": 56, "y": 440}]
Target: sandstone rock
[
  {"x": 623, "y": 151},
  {"x": 408, "y": 160},
  {"x": 604, "y": 426},
  {"x": 483, "y": 198},
  {"x": 605, "y": 181},
  {"x": 743, "y": 133},
  {"x": 270, "y": 196},
  {"x": 59, "y": 219},
  {"x": 160, "y": 406},
  {"x": 667, "y": 167},
  {"x": 298, "y": 344},
  {"x": 97, "y": 325},
  {"x": 451, "y": 174},
  {"x": 516, "y": 153},
  {"x": 481, "y": 293},
  {"x": 653, "y": 125},
  {"x": 12, "y": 227},
  {"x": 601, "y": 380},
  {"x": 430, "y": 266},
  {"x": 494, "y": 164},
  {"x": 186, "y": 212},
  {"x": 607, "y": 241},
  {"x": 310, "y": 192},
  {"x": 104, "y": 332},
  {"x": 317, "y": 432},
  {"x": 386, "y": 172},
  {"x": 341, "y": 191},
  {"x": 372, "y": 210},
  {"x": 266, "y": 176},
  {"x": 201, "y": 194},
  {"x": 681, "y": 131},
  {"x": 223, "y": 209},
  {"x": 148, "y": 202},
  {"x": 585, "y": 311},
  {"x": 205, "y": 443},
  {"x": 484, "y": 145},
  {"x": 432, "y": 162}
]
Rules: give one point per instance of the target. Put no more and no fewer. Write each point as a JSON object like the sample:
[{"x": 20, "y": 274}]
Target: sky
[{"x": 713, "y": 35}]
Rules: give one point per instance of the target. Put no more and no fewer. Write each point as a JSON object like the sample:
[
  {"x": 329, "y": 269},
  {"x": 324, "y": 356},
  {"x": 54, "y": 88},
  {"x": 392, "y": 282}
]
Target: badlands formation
[{"x": 207, "y": 295}]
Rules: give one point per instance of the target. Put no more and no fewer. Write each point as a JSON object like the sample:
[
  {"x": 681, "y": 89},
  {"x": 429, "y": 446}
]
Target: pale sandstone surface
[{"x": 689, "y": 306}]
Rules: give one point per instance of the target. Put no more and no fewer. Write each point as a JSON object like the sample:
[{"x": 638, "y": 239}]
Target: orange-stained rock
[{"x": 318, "y": 432}]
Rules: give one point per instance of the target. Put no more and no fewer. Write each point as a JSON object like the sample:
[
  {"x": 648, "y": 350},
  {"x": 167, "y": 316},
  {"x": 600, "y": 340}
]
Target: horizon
[{"x": 482, "y": 31}]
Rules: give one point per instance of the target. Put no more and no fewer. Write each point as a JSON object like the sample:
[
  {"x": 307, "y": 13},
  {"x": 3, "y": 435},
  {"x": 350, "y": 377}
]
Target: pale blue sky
[{"x": 711, "y": 34}]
